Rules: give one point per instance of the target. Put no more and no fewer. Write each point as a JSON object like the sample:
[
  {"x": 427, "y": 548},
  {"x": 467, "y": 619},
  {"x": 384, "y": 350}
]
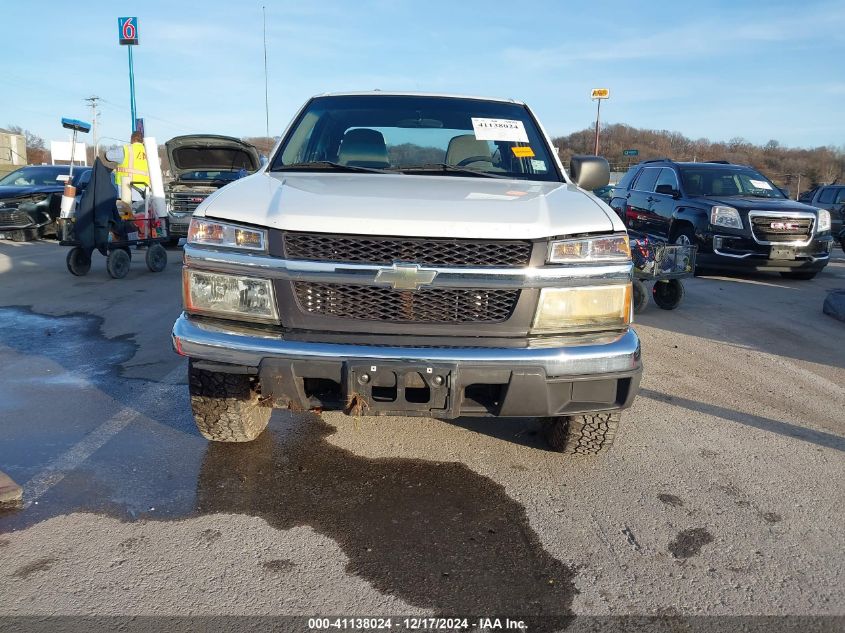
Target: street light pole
[
  {"x": 598, "y": 114},
  {"x": 598, "y": 94}
]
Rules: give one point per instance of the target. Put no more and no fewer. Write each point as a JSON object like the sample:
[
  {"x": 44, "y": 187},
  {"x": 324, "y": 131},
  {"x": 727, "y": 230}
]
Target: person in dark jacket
[{"x": 97, "y": 215}]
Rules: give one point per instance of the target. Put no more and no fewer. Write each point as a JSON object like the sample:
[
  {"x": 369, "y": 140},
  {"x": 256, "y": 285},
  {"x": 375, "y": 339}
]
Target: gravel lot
[{"x": 724, "y": 494}]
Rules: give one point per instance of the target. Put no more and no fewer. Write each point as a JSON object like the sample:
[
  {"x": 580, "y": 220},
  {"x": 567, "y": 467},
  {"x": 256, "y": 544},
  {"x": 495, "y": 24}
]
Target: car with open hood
[
  {"x": 411, "y": 254},
  {"x": 31, "y": 197},
  {"x": 200, "y": 164}
]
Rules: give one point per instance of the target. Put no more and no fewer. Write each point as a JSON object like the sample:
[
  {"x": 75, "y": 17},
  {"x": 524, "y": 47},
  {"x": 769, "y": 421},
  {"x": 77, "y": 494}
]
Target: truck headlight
[
  {"x": 609, "y": 248},
  {"x": 824, "y": 221},
  {"x": 216, "y": 294},
  {"x": 213, "y": 233},
  {"x": 725, "y": 216},
  {"x": 584, "y": 308}
]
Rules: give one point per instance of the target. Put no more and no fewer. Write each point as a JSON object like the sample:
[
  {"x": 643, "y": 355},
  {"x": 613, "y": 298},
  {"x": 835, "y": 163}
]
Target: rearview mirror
[{"x": 589, "y": 172}]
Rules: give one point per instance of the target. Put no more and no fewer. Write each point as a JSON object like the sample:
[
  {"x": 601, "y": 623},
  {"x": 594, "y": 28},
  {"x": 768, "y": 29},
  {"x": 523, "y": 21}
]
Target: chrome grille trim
[{"x": 269, "y": 267}]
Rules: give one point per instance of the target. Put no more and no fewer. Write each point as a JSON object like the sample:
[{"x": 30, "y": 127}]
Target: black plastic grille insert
[
  {"x": 424, "y": 251},
  {"x": 427, "y": 305}
]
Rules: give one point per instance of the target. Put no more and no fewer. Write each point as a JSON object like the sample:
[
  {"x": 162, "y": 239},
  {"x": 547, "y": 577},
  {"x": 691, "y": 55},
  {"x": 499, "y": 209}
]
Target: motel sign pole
[{"x": 128, "y": 36}]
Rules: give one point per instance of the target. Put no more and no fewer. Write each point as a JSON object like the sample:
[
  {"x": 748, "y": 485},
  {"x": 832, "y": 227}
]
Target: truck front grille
[
  {"x": 186, "y": 201},
  {"x": 423, "y": 251},
  {"x": 427, "y": 305},
  {"x": 781, "y": 229}
]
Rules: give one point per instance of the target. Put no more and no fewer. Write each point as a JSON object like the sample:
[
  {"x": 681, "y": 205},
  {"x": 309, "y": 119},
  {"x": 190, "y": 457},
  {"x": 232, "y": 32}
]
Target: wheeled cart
[
  {"x": 665, "y": 265},
  {"x": 119, "y": 250}
]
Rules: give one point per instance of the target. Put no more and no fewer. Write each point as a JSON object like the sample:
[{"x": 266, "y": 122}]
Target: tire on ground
[
  {"x": 226, "y": 407},
  {"x": 156, "y": 258},
  {"x": 589, "y": 434},
  {"x": 640, "y": 296},
  {"x": 668, "y": 294},
  {"x": 117, "y": 263},
  {"x": 78, "y": 261}
]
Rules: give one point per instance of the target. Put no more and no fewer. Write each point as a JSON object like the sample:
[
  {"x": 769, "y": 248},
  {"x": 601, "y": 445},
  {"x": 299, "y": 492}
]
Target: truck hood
[
  {"x": 411, "y": 205},
  {"x": 210, "y": 152}
]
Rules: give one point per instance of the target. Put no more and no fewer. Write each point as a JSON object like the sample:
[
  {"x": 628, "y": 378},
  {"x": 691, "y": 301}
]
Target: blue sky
[{"x": 716, "y": 69}]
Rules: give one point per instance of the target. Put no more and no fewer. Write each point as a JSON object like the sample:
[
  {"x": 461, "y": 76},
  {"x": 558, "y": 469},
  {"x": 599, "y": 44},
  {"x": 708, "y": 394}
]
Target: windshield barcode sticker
[{"x": 499, "y": 130}]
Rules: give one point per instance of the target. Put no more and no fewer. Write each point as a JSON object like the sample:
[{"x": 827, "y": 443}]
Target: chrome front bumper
[{"x": 581, "y": 355}]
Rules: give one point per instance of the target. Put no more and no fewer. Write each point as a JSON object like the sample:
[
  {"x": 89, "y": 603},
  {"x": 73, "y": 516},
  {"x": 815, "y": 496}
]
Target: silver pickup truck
[{"x": 408, "y": 254}]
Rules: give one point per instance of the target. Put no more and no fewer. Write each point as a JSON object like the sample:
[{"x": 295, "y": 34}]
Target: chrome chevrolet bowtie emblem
[{"x": 405, "y": 276}]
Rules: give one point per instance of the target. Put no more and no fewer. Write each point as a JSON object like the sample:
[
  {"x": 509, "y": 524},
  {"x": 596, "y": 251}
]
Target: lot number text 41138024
[{"x": 415, "y": 624}]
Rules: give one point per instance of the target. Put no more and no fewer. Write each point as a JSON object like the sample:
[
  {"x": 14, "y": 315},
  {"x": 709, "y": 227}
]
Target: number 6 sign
[{"x": 127, "y": 30}]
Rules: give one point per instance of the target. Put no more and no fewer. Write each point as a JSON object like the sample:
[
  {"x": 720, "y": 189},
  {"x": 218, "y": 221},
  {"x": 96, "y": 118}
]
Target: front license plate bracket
[
  {"x": 381, "y": 388},
  {"x": 783, "y": 252}
]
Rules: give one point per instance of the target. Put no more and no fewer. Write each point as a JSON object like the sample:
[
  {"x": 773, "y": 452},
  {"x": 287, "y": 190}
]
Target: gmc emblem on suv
[
  {"x": 405, "y": 276},
  {"x": 784, "y": 226}
]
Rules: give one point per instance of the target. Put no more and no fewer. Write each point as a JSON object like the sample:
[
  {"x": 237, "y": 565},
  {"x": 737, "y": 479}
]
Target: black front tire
[
  {"x": 588, "y": 434},
  {"x": 78, "y": 262},
  {"x": 117, "y": 263},
  {"x": 800, "y": 276},
  {"x": 668, "y": 294},
  {"x": 156, "y": 258},
  {"x": 226, "y": 407}
]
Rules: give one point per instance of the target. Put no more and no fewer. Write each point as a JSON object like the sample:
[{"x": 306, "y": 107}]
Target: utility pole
[
  {"x": 92, "y": 102},
  {"x": 266, "y": 84}
]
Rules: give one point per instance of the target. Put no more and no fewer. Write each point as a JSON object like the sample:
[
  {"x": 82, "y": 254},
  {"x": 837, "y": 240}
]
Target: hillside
[{"x": 782, "y": 164}]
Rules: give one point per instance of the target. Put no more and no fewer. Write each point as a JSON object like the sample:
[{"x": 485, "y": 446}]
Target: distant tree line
[
  {"x": 783, "y": 165},
  {"x": 786, "y": 166}
]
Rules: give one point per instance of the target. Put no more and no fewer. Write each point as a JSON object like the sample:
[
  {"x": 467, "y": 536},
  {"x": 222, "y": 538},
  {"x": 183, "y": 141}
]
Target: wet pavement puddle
[{"x": 435, "y": 534}]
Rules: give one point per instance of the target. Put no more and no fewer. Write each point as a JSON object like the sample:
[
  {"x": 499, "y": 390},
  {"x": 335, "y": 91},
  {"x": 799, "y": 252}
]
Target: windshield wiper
[
  {"x": 330, "y": 166},
  {"x": 445, "y": 167}
]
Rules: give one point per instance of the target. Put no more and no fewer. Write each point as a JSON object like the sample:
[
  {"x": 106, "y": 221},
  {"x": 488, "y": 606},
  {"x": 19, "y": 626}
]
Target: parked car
[
  {"x": 738, "y": 218},
  {"x": 200, "y": 164},
  {"x": 604, "y": 193},
  {"x": 31, "y": 197},
  {"x": 411, "y": 255},
  {"x": 832, "y": 198}
]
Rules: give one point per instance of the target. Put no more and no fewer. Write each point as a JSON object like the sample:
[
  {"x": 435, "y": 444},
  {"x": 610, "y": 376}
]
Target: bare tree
[{"x": 36, "y": 150}]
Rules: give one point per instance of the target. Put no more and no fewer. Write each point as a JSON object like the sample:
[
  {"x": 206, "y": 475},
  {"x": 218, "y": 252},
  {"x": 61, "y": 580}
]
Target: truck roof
[{"x": 411, "y": 93}]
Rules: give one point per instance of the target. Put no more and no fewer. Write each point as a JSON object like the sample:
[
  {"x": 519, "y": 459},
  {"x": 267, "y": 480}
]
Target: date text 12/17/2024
[{"x": 415, "y": 624}]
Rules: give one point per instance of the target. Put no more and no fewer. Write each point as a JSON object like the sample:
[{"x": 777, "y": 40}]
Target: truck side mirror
[{"x": 589, "y": 172}]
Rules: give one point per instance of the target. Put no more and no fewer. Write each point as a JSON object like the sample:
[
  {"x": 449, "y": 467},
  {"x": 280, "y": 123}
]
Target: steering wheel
[{"x": 474, "y": 159}]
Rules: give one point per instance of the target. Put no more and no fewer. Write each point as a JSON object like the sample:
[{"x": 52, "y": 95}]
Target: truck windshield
[
  {"x": 727, "y": 181},
  {"x": 417, "y": 135}
]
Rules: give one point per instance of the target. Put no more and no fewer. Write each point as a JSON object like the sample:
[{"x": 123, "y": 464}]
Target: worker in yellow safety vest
[{"x": 134, "y": 163}]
